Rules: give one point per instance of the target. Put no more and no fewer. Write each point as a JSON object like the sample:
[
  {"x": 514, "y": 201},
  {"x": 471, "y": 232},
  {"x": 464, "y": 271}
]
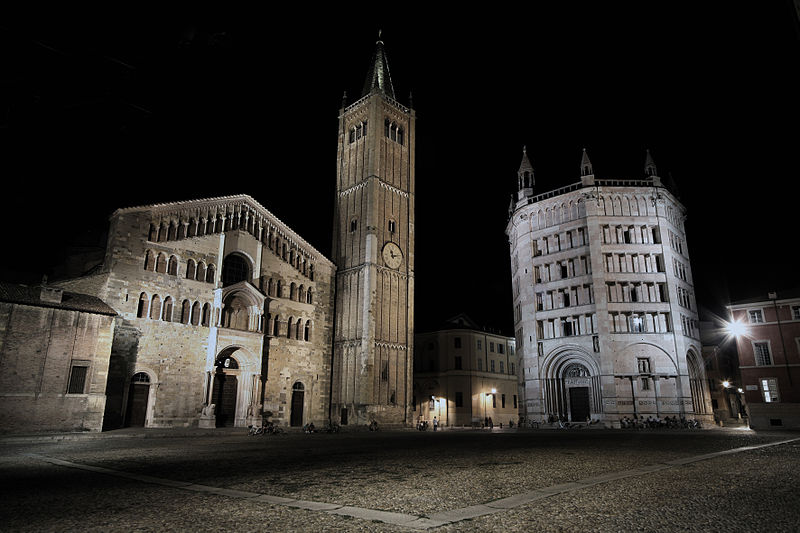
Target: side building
[
  {"x": 605, "y": 317},
  {"x": 768, "y": 344},
  {"x": 225, "y": 314},
  {"x": 55, "y": 347},
  {"x": 465, "y": 376}
]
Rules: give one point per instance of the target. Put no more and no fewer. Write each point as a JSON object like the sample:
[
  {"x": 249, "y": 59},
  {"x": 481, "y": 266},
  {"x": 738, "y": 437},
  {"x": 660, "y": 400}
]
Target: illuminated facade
[
  {"x": 464, "y": 376},
  {"x": 604, "y": 310},
  {"x": 226, "y": 314},
  {"x": 373, "y": 247},
  {"x": 768, "y": 345}
]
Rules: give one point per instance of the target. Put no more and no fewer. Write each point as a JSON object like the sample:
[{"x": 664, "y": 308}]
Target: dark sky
[{"x": 109, "y": 109}]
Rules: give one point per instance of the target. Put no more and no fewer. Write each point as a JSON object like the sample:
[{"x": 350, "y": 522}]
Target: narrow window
[
  {"x": 353, "y": 225},
  {"x": 391, "y": 226},
  {"x": 756, "y": 316},
  {"x": 457, "y": 342},
  {"x": 459, "y": 399},
  {"x": 77, "y": 378},
  {"x": 457, "y": 363},
  {"x": 769, "y": 388},
  {"x": 761, "y": 351}
]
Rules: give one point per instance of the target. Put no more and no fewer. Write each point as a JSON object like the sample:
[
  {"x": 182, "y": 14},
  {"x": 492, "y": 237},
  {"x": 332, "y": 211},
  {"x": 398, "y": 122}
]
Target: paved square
[{"x": 458, "y": 480}]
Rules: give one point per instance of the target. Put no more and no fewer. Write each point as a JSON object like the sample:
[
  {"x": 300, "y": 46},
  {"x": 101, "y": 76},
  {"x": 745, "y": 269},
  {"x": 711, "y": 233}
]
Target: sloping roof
[{"x": 70, "y": 301}]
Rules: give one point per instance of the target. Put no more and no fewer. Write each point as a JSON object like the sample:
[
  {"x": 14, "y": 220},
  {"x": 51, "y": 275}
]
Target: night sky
[{"x": 103, "y": 110}]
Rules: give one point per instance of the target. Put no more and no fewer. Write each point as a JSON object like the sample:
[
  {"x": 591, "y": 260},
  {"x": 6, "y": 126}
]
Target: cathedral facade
[
  {"x": 605, "y": 317},
  {"x": 226, "y": 316}
]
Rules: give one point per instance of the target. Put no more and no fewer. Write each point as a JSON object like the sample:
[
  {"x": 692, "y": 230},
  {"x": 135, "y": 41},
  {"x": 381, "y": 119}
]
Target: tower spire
[
  {"x": 525, "y": 177},
  {"x": 649, "y": 165},
  {"x": 587, "y": 171},
  {"x": 378, "y": 77}
]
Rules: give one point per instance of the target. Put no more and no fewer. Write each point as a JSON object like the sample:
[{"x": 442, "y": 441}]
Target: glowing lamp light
[
  {"x": 494, "y": 391},
  {"x": 735, "y": 328},
  {"x": 726, "y": 384}
]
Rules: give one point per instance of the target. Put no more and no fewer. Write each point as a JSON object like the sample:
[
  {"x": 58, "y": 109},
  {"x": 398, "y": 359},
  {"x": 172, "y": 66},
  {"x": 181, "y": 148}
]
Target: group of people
[{"x": 658, "y": 423}]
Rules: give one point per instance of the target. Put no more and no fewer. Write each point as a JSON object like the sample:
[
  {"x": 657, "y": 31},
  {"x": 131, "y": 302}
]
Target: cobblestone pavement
[{"x": 457, "y": 480}]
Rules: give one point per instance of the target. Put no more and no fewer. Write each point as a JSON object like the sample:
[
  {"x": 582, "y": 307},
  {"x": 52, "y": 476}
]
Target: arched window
[
  {"x": 166, "y": 315},
  {"x": 301, "y": 293},
  {"x": 149, "y": 261},
  {"x": 311, "y": 272},
  {"x": 173, "y": 266},
  {"x": 153, "y": 233},
  {"x": 353, "y": 224},
  {"x": 307, "y": 331},
  {"x": 186, "y": 312},
  {"x": 292, "y": 291},
  {"x": 309, "y": 296},
  {"x": 275, "y": 324},
  {"x": 201, "y": 272},
  {"x": 140, "y": 377},
  {"x": 141, "y": 310},
  {"x": 161, "y": 263},
  {"x": 289, "y": 327},
  {"x": 206, "y": 315},
  {"x": 155, "y": 307},
  {"x": 211, "y": 274},
  {"x": 191, "y": 269},
  {"x": 196, "y": 314},
  {"x": 279, "y": 289}
]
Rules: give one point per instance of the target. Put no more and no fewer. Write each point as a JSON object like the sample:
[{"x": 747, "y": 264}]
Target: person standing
[{"x": 435, "y": 423}]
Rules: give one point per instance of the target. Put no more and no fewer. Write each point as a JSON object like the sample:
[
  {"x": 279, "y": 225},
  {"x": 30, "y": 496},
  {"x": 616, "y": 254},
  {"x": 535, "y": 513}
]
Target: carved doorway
[
  {"x": 579, "y": 404},
  {"x": 226, "y": 384}
]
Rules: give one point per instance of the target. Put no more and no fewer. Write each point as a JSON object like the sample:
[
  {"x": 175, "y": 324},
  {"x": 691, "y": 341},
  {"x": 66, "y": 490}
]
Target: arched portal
[
  {"x": 571, "y": 386},
  {"x": 138, "y": 396},
  {"x": 697, "y": 384},
  {"x": 226, "y": 384},
  {"x": 298, "y": 401}
]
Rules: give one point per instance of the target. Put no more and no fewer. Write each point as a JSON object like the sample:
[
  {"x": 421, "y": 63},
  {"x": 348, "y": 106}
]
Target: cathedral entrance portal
[
  {"x": 579, "y": 403},
  {"x": 226, "y": 384}
]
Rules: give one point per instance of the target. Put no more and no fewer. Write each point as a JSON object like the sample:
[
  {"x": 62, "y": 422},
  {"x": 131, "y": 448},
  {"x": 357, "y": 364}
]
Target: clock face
[{"x": 392, "y": 255}]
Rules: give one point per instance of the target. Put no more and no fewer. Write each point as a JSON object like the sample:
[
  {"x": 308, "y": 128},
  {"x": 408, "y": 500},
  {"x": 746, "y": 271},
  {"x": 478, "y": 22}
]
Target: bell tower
[{"x": 373, "y": 248}]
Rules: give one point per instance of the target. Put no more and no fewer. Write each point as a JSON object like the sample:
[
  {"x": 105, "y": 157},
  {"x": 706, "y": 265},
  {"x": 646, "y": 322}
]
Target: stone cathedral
[{"x": 225, "y": 315}]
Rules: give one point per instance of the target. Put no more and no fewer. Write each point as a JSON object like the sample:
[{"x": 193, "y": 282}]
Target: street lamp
[{"x": 735, "y": 328}]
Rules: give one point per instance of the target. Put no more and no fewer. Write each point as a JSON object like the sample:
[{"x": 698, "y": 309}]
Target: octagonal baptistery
[
  {"x": 604, "y": 309},
  {"x": 225, "y": 317}
]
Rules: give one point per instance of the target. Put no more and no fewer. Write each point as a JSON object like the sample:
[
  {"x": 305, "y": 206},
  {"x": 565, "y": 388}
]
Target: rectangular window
[
  {"x": 796, "y": 312},
  {"x": 756, "y": 316},
  {"x": 480, "y": 364},
  {"x": 491, "y": 347},
  {"x": 515, "y": 401},
  {"x": 459, "y": 399},
  {"x": 644, "y": 365},
  {"x": 645, "y": 384},
  {"x": 77, "y": 378},
  {"x": 500, "y": 348},
  {"x": 457, "y": 342},
  {"x": 480, "y": 345},
  {"x": 769, "y": 388},
  {"x": 458, "y": 363},
  {"x": 492, "y": 365},
  {"x": 494, "y": 400},
  {"x": 503, "y": 401},
  {"x": 502, "y": 370},
  {"x": 512, "y": 369},
  {"x": 761, "y": 352}
]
